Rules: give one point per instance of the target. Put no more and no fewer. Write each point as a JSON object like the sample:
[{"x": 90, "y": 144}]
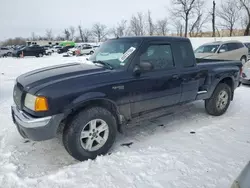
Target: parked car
[
  {"x": 4, "y": 51},
  {"x": 245, "y": 78},
  {"x": 35, "y": 50},
  {"x": 127, "y": 80},
  {"x": 247, "y": 44},
  {"x": 72, "y": 51},
  {"x": 64, "y": 49},
  {"x": 48, "y": 50},
  {"x": 229, "y": 50},
  {"x": 87, "y": 49},
  {"x": 56, "y": 48}
]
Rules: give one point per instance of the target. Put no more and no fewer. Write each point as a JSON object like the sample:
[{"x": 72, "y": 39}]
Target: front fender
[{"x": 83, "y": 99}]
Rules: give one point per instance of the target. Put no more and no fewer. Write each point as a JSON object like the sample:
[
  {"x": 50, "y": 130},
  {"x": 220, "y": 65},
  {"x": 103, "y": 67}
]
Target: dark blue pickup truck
[{"x": 125, "y": 79}]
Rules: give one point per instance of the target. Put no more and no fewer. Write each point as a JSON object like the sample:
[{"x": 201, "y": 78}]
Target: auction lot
[{"x": 186, "y": 149}]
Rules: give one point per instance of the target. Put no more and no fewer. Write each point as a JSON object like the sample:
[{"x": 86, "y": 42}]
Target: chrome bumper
[
  {"x": 36, "y": 129},
  {"x": 27, "y": 121}
]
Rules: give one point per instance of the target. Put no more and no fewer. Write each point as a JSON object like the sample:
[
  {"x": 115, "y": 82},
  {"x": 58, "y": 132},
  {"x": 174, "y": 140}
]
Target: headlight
[{"x": 36, "y": 103}]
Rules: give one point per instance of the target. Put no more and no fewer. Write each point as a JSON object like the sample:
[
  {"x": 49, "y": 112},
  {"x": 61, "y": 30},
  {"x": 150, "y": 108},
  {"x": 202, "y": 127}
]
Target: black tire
[
  {"x": 72, "y": 132},
  {"x": 9, "y": 54},
  {"x": 91, "y": 52},
  {"x": 210, "y": 104}
]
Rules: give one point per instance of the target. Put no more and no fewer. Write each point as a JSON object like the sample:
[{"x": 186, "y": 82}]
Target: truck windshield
[
  {"x": 115, "y": 52},
  {"x": 207, "y": 49}
]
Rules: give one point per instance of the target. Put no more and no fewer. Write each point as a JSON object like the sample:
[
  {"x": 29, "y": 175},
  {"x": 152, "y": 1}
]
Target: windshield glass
[
  {"x": 116, "y": 52},
  {"x": 207, "y": 49}
]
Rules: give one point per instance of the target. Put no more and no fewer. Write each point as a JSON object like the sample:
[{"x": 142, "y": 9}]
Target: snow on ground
[{"x": 160, "y": 156}]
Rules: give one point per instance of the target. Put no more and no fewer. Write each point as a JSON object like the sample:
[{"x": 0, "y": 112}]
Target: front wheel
[
  {"x": 91, "y": 133},
  {"x": 219, "y": 101}
]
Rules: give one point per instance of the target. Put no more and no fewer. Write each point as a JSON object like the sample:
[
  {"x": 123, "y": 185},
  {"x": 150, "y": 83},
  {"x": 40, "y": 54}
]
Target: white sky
[{"x": 21, "y": 17}]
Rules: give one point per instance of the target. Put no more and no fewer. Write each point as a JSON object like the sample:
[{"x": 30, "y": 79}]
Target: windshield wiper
[{"x": 107, "y": 65}]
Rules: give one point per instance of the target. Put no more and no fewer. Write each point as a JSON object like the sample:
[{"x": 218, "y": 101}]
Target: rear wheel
[
  {"x": 91, "y": 52},
  {"x": 219, "y": 101},
  {"x": 243, "y": 59},
  {"x": 91, "y": 133}
]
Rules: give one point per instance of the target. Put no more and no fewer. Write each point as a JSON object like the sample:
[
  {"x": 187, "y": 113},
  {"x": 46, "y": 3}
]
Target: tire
[
  {"x": 243, "y": 59},
  {"x": 9, "y": 54},
  {"x": 91, "y": 52},
  {"x": 77, "y": 147},
  {"x": 217, "y": 104}
]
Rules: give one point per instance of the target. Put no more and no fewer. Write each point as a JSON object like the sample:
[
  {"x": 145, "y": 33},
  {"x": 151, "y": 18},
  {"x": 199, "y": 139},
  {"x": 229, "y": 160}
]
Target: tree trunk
[
  {"x": 246, "y": 32},
  {"x": 231, "y": 31},
  {"x": 213, "y": 19},
  {"x": 186, "y": 25}
]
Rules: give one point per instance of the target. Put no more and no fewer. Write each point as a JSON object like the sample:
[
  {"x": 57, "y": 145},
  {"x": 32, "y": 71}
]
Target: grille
[{"x": 17, "y": 96}]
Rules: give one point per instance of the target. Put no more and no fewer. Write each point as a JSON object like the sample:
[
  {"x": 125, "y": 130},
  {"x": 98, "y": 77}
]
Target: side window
[
  {"x": 232, "y": 46},
  {"x": 185, "y": 54},
  {"x": 224, "y": 48},
  {"x": 159, "y": 55},
  {"x": 240, "y": 45}
]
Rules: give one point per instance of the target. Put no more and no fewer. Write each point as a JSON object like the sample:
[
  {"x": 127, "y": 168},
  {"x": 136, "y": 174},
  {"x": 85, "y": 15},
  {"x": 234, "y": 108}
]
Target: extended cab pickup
[{"x": 125, "y": 79}]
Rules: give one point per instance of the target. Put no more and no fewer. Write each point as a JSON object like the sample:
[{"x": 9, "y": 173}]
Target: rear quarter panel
[{"x": 217, "y": 71}]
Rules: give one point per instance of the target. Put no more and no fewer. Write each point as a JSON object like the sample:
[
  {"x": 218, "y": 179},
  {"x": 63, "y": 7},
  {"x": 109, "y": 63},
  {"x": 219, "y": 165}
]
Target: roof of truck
[{"x": 156, "y": 37}]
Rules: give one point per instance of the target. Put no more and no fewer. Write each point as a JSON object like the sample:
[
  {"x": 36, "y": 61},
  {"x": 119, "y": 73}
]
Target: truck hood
[
  {"x": 204, "y": 55},
  {"x": 49, "y": 75}
]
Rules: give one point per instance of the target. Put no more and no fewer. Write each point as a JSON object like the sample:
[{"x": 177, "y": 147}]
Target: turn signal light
[{"x": 41, "y": 104}]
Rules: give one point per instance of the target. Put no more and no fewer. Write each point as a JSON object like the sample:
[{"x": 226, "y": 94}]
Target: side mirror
[
  {"x": 222, "y": 50},
  {"x": 146, "y": 66},
  {"x": 142, "y": 67}
]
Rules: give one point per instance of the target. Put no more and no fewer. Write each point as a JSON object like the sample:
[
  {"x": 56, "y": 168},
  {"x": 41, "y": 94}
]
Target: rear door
[
  {"x": 191, "y": 77},
  {"x": 159, "y": 87},
  {"x": 228, "y": 52}
]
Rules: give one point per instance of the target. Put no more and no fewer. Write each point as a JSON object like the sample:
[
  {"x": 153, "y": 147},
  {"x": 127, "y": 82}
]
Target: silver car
[
  {"x": 245, "y": 77},
  {"x": 228, "y": 50}
]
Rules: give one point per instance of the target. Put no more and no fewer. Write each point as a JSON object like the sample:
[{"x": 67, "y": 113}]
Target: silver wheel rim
[
  {"x": 222, "y": 100},
  {"x": 94, "y": 135},
  {"x": 40, "y": 55}
]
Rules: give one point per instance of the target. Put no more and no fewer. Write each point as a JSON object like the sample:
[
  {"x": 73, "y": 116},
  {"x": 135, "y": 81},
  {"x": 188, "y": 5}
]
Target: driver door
[{"x": 159, "y": 87}]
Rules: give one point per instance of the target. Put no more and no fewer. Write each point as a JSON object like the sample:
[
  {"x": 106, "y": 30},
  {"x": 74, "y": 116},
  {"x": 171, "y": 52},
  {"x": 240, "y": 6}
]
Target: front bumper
[{"x": 36, "y": 129}]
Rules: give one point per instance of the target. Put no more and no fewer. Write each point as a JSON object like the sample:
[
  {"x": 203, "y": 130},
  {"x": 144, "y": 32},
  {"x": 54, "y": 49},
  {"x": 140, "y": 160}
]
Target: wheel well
[
  {"x": 230, "y": 83},
  {"x": 243, "y": 57},
  {"x": 96, "y": 102}
]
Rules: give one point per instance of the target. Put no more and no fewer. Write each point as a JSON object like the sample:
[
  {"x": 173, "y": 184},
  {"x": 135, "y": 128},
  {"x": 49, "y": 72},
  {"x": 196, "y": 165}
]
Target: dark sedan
[{"x": 37, "y": 51}]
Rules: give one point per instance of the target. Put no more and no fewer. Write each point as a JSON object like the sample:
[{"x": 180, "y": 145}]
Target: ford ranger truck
[{"x": 126, "y": 79}]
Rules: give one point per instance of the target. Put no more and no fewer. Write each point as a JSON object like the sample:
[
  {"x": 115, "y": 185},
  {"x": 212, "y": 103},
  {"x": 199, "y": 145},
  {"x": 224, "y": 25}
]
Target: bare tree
[
  {"x": 229, "y": 15},
  {"x": 200, "y": 19},
  {"x": 184, "y": 9},
  {"x": 81, "y": 33},
  {"x": 99, "y": 31},
  {"x": 161, "y": 26},
  {"x": 49, "y": 34},
  {"x": 86, "y": 35},
  {"x": 213, "y": 18},
  {"x": 67, "y": 34},
  {"x": 120, "y": 29},
  {"x": 246, "y": 5},
  {"x": 178, "y": 25},
  {"x": 137, "y": 24},
  {"x": 72, "y": 32},
  {"x": 151, "y": 27}
]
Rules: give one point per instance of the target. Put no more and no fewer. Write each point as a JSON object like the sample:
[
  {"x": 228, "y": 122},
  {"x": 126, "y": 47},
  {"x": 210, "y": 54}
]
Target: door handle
[{"x": 175, "y": 76}]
